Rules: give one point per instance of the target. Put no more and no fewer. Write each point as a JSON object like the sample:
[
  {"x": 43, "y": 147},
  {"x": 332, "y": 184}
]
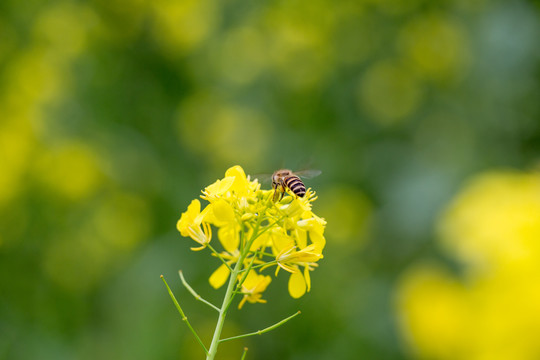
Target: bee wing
[
  {"x": 308, "y": 174},
  {"x": 263, "y": 178}
]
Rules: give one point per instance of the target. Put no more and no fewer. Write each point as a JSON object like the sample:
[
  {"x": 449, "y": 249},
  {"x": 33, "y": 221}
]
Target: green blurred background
[{"x": 423, "y": 116}]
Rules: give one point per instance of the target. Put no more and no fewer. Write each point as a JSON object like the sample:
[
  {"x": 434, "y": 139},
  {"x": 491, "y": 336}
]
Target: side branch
[
  {"x": 195, "y": 295},
  {"x": 184, "y": 317},
  {"x": 259, "y": 332},
  {"x": 216, "y": 254}
]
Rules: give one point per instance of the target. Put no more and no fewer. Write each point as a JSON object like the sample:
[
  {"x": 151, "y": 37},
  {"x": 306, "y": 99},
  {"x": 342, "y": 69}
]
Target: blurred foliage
[
  {"x": 114, "y": 113},
  {"x": 490, "y": 311}
]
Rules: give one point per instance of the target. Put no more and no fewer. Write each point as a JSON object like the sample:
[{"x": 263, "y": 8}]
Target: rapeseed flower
[
  {"x": 256, "y": 233},
  {"x": 253, "y": 287},
  {"x": 192, "y": 224}
]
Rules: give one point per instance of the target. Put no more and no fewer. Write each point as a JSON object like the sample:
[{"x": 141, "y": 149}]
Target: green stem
[
  {"x": 195, "y": 295},
  {"x": 270, "y": 263},
  {"x": 229, "y": 293},
  {"x": 184, "y": 317},
  {"x": 259, "y": 332},
  {"x": 218, "y": 255},
  {"x": 223, "y": 311},
  {"x": 244, "y": 353}
]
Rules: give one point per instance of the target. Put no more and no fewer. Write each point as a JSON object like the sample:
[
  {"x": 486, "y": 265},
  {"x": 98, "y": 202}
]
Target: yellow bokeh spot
[
  {"x": 299, "y": 51},
  {"x": 434, "y": 313},
  {"x": 32, "y": 79},
  {"x": 127, "y": 18},
  {"x": 122, "y": 221},
  {"x": 242, "y": 55},
  {"x": 495, "y": 220},
  {"x": 436, "y": 46},
  {"x": 389, "y": 93},
  {"x": 16, "y": 144},
  {"x": 78, "y": 259},
  {"x": 63, "y": 30},
  {"x": 225, "y": 132},
  {"x": 76, "y": 262},
  {"x": 181, "y": 26},
  {"x": 70, "y": 169},
  {"x": 347, "y": 211},
  {"x": 492, "y": 227}
]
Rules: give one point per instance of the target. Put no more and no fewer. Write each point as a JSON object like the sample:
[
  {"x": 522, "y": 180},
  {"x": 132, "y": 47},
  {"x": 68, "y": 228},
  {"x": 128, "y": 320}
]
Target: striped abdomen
[{"x": 296, "y": 185}]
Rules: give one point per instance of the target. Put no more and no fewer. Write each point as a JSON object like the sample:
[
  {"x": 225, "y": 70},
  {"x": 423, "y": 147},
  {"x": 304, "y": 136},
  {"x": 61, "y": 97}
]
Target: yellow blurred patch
[
  {"x": 242, "y": 55},
  {"x": 16, "y": 145},
  {"x": 32, "y": 79},
  {"x": 300, "y": 51},
  {"x": 493, "y": 228},
  {"x": 495, "y": 221},
  {"x": 389, "y": 92},
  {"x": 433, "y": 313},
  {"x": 347, "y": 211},
  {"x": 70, "y": 170},
  {"x": 227, "y": 133},
  {"x": 76, "y": 263},
  {"x": 127, "y": 16},
  {"x": 436, "y": 46},
  {"x": 80, "y": 258},
  {"x": 181, "y": 26},
  {"x": 63, "y": 29},
  {"x": 122, "y": 221}
]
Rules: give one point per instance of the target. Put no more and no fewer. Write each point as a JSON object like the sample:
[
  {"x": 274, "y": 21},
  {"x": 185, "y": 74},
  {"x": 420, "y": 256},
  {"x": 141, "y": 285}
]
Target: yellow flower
[
  {"x": 290, "y": 260},
  {"x": 218, "y": 188},
  {"x": 253, "y": 287},
  {"x": 298, "y": 206},
  {"x": 191, "y": 224},
  {"x": 288, "y": 257},
  {"x": 225, "y": 219},
  {"x": 315, "y": 227},
  {"x": 258, "y": 232},
  {"x": 221, "y": 274},
  {"x": 241, "y": 184},
  {"x": 299, "y": 283}
]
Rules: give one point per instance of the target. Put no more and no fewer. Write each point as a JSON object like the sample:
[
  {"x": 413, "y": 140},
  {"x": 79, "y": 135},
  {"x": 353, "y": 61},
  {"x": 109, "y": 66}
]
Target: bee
[{"x": 285, "y": 179}]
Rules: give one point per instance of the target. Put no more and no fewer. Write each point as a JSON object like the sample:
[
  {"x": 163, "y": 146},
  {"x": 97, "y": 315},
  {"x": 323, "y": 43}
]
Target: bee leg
[{"x": 275, "y": 195}]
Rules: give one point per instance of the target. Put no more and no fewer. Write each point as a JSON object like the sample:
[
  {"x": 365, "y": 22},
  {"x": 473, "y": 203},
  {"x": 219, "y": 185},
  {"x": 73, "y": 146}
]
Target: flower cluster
[{"x": 256, "y": 233}]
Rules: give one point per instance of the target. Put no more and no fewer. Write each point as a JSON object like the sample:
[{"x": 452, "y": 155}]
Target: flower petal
[
  {"x": 220, "y": 187},
  {"x": 229, "y": 238},
  {"x": 223, "y": 212},
  {"x": 240, "y": 185},
  {"x": 188, "y": 217},
  {"x": 219, "y": 277},
  {"x": 297, "y": 285},
  {"x": 307, "y": 277}
]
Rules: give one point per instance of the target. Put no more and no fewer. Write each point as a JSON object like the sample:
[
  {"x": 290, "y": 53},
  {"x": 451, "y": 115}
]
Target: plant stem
[
  {"x": 184, "y": 317},
  {"x": 244, "y": 353},
  {"x": 223, "y": 310},
  {"x": 195, "y": 295},
  {"x": 229, "y": 293},
  {"x": 263, "y": 330},
  {"x": 219, "y": 257}
]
